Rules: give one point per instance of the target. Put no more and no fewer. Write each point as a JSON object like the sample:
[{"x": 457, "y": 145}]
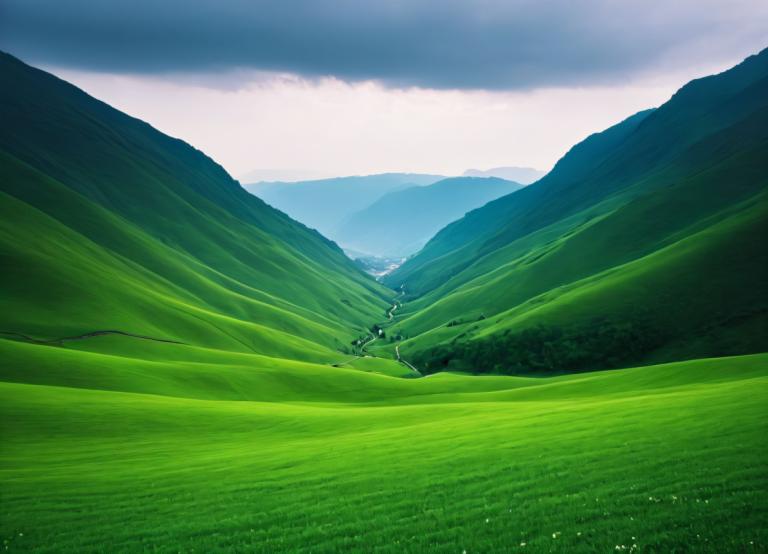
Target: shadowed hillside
[
  {"x": 649, "y": 234},
  {"x": 185, "y": 369},
  {"x": 110, "y": 225}
]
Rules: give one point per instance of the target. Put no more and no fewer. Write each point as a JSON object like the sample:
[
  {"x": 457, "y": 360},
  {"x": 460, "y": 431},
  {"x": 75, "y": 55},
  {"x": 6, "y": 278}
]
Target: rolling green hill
[
  {"x": 645, "y": 243},
  {"x": 203, "y": 400},
  {"x": 219, "y": 458},
  {"x": 399, "y": 223}
]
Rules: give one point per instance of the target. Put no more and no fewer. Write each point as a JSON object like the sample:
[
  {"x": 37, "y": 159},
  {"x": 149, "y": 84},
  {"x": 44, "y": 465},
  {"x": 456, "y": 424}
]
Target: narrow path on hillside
[
  {"x": 391, "y": 311},
  {"x": 84, "y": 336},
  {"x": 362, "y": 347},
  {"x": 390, "y": 317},
  {"x": 357, "y": 356},
  {"x": 407, "y": 364}
]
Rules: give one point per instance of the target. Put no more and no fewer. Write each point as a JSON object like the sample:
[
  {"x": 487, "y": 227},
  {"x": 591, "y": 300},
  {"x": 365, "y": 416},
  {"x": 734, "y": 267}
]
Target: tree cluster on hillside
[{"x": 601, "y": 344}]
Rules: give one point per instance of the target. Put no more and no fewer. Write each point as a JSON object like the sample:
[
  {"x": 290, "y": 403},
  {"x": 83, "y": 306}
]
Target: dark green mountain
[
  {"x": 175, "y": 373},
  {"x": 645, "y": 242},
  {"x": 110, "y": 225},
  {"x": 401, "y": 222}
]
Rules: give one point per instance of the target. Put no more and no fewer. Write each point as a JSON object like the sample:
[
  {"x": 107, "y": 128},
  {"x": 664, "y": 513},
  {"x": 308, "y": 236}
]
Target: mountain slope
[
  {"x": 324, "y": 203},
  {"x": 234, "y": 426},
  {"x": 110, "y": 225},
  {"x": 601, "y": 251},
  {"x": 401, "y": 222},
  {"x": 463, "y": 241}
]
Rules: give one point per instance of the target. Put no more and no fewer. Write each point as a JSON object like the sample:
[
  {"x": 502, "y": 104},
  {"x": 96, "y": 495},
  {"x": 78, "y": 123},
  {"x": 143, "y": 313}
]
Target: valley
[
  {"x": 375, "y": 266},
  {"x": 382, "y": 219},
  {"x": 574, "y": 365}
]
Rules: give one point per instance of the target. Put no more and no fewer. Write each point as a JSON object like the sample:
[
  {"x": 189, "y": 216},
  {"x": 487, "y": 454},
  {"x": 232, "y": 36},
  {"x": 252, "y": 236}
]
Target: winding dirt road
[{"x": 402, "y": 361}]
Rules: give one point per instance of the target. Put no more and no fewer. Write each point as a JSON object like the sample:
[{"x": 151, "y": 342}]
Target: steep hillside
[
  {"x": 323, "y": 204},
  {"x": 215, "y": 413},
  {"x": 463, "y": 241},
  {"x": 108, "y": 224},
  {"x": 401, "y": 222},
  {"x": 643, "y": 243}
]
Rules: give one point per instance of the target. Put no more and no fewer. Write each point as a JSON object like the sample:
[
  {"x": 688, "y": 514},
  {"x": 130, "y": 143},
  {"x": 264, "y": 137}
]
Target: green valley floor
[{"x": 147, "y": 455}]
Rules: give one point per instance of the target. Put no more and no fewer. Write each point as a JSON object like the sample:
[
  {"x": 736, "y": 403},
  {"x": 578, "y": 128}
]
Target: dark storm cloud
[{"x": 491, "y": 44}]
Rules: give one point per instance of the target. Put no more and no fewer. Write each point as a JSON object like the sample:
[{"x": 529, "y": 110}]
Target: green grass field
[
  {"x": 260, "y": 427},
  {"x": 667, "y": 458}
]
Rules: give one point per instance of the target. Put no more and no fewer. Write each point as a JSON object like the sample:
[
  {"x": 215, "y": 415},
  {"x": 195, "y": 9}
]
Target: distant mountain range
[
  {"x": 186, "y": 368},
  {"x": 323, "y": 204},
  {"x": 386, "y": 215},
  {"x": 401, "y": 222},
  {"x": 522, "y": 175}
]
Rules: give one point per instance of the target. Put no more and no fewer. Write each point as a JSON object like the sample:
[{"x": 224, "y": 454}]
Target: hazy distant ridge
[{"x": 522, "y": 175}]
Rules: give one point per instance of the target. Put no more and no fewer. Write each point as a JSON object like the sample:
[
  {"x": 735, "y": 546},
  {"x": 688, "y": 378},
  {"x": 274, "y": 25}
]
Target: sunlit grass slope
[
  {"x": 659, "y": 222},
  {"x": 108, "y": 224},
  {"x": 252, "y": 431},
  {"x": 654, "y": 459}
]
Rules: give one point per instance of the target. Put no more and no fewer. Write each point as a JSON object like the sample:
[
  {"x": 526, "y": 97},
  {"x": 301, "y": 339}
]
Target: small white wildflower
[
  {"x": 522, "y": 544},
  {"x": 487, "y": 520}
]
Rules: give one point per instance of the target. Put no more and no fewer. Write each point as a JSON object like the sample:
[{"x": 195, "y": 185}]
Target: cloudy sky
[{"x": 311, "y": 88}]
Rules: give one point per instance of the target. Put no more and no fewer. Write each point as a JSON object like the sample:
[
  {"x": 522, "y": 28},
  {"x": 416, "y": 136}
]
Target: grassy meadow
[
  {"x": 667, "y": 458},
  {"x": 264, "y": 426}
]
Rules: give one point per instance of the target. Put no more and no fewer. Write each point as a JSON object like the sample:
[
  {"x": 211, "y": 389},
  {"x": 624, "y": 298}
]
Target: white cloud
[{"x": 328, "y": 127}]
